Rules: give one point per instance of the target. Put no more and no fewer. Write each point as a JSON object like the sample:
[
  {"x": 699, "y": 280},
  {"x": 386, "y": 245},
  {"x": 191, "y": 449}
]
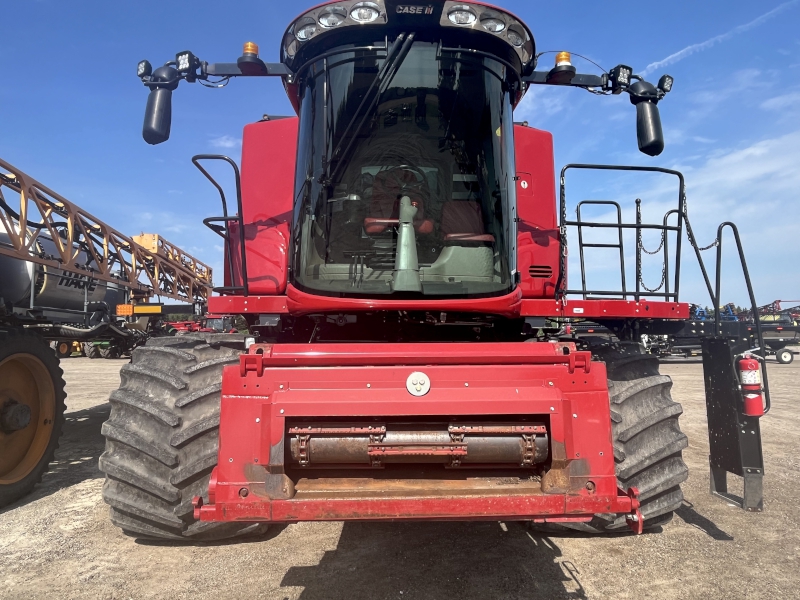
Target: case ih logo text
[{"x": 406, "y": 9}]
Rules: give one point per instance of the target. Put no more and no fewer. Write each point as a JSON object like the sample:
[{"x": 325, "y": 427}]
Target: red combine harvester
[{"x": 400, "y": 256}]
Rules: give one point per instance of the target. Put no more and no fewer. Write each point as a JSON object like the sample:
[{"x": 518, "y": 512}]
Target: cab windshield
[{"x": 405, "y": 175}]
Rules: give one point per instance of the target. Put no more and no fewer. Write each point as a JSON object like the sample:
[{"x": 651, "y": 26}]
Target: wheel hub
[{"x": 14, "y": 416}]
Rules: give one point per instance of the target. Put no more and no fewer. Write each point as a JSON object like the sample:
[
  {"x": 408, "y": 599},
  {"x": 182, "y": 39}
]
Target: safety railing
[
  {"x": 670, "y": 292},
  {"x": 219, "y": 225}
]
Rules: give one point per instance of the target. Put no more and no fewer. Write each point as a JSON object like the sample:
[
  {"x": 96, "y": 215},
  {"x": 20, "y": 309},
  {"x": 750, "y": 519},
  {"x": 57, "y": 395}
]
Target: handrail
[
  {"x": 239, "y": 216},
  {"x": 717, "y": 317},
  {"x": 561, "y": 289},
  {"x": 621, "y": 246}
]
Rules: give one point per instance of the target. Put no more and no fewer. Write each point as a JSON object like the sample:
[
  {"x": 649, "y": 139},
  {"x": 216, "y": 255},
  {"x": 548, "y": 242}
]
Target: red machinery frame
[{"x": 551, "y": 382}]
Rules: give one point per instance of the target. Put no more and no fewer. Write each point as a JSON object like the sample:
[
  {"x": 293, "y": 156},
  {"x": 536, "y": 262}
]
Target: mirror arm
[
  {"x": 234, "y": 70},
  {"x": 578, "y": 80}
]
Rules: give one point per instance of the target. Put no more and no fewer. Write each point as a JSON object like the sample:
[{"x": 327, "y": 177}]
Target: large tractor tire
[
  {"x": 31, "y": 412},
  {"x": 648, "y": 441},
  {"x": 162, "y": 437},
  {"x": 90, "y": 350},
  {"x": 110, "y": 351}
]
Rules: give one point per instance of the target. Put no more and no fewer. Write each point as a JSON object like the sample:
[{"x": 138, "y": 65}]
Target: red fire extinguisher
[{"x": 750, "y": 377}]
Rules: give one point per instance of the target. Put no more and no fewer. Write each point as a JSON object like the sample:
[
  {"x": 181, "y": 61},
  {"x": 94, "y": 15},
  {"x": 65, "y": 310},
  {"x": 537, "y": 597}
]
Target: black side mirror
[
  {"x": 648, "y": 120},
  {"x": 158, "y": 114},
  {"x": 648, "y": 129}
]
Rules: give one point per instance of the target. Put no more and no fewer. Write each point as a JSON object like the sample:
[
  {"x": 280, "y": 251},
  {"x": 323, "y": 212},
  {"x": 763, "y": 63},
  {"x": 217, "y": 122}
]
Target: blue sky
[{"x": 72, "y": 113}]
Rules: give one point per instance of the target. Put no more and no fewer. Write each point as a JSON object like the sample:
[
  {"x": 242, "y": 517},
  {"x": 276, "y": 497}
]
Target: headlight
[
  {"x": 462, "y": 15},
  {"x": 184, "y": 61},
  {"x": 365, "y": 12},
  {"x": 144, "y": 69},
  {"x": 305, "y": 30},
  {"x": 333, "y": 16},
  {"x": 516, "y": 38},
  {"x": 492, "y": 23},
  {"x": 291, "y": 46}
]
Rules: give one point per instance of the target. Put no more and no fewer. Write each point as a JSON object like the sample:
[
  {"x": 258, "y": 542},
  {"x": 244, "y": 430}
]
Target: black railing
[
  {"x": 223, "y": 230},
  {"x": 718, "y": 292},
  {"x": 714, "y": 292},
  {"x": 665, "y": 229}
]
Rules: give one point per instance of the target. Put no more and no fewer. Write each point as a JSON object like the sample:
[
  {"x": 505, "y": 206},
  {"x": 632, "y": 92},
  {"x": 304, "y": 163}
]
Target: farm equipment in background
[
  {"x": 70, "y": 280},
  {"x": 400, "y": 280},
  {"x": 781, "y": 328},
  {"x": 688, "y": 340},
  {"x": 778, "y": 329},
  {"x": 206, "y": 324}
]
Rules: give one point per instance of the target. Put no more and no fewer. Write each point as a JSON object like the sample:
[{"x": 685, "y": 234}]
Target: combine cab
[{"x": 400, "y": 256}]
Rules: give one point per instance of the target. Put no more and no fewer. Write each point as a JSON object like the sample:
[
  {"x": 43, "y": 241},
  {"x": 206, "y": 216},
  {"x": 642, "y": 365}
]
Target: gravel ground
[{"x": 59, "y": 543}]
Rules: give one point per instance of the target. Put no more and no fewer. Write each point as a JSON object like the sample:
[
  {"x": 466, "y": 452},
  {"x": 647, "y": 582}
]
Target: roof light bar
[
  {"x": 360, "y": 13},
  {"x": 334, "y": 15},
  {"x": 484, "y": 18}
]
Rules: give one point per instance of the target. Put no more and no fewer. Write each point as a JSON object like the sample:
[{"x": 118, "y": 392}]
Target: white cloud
[
  {"x": 791, "y": 100},
  {"x": 541, "y": 102},
  {"x": 226, "y": 141},
  {"x": 689, "y": 50},
  {"x": 756, "y": 188}
]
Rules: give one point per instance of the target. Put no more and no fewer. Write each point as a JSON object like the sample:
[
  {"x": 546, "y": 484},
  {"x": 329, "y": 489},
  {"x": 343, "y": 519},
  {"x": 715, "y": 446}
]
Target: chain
[
  {"x": 690, "y": 233},
  {"x": 561, "y": 285},
  {"x": 640, "y": 246},
  {"x": 711, "y": 245},
  {"x": 660, "y": 285},
  {"x": 657, "y": 250}
]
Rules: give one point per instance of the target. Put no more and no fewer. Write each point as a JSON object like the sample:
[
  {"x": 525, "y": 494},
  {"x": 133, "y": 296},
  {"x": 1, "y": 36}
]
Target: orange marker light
[
  {"x": 124, "y": 310},
  {"x": 563, "y": 58},
  {"x": 251, "y": 48}
]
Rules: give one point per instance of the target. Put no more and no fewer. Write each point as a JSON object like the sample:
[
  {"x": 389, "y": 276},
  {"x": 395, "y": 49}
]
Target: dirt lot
[{"x": 58, "y": 542}]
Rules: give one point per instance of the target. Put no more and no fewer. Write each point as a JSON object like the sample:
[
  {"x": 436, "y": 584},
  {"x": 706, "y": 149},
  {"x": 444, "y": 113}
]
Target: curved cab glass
[{"x": 427, "y": 141}]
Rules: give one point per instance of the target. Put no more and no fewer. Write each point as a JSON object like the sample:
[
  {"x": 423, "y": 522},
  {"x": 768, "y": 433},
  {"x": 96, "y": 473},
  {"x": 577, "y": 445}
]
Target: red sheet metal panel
[
  {"x": 512, "y": 305},
  {"x": 261, "y": 394},
  {"x": 240, "y": 305},
  {"x": 538, "y": 244},
  {"x": 605, "y": 309},
  {"x": 268, "y": 161},
  {"x": 301, "y": 302}
]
